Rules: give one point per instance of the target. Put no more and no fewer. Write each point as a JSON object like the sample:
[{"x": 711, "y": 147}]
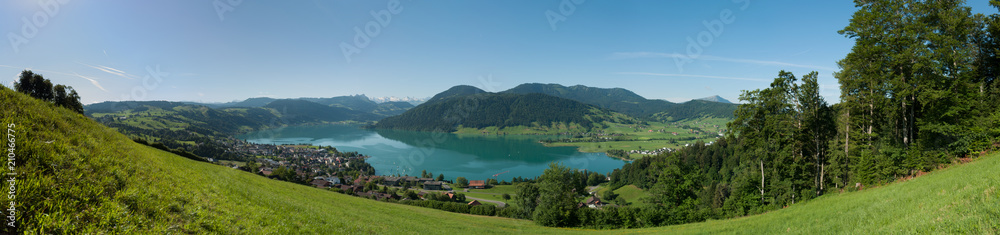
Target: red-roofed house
[{"x": 477, "y": 184}]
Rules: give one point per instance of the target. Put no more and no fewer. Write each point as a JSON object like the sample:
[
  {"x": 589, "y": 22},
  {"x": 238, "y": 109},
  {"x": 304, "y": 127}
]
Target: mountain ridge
[
  {"x": 455, "y": 91},
  {"x": 617, "y": 100},
  {"x": 716, "y": 98},
  {"x": 625, "y": 101},
  {"x": 469, "y": 108},
  {"x": 298, "y": 111}
]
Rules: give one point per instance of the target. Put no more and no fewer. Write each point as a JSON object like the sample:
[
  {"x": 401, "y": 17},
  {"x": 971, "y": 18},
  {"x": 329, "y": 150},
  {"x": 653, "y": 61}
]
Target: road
[{"x": 499, "y": 203}]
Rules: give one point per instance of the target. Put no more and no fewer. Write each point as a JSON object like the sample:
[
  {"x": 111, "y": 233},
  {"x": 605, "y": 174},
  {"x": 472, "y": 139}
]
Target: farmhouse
[
  {"x": 480, "y": 184},
  {"x": 594, "y": 202},
  {"x": 433, "y": 185},
  {"x": 391, "y": 181},
  {"x": 397, "y": 181}
]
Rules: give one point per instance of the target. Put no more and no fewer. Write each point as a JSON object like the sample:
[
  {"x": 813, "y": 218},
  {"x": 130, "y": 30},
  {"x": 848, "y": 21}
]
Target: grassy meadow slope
[
  {"x": 76, "y": 176},
  {"x": 963, "y": 199}
]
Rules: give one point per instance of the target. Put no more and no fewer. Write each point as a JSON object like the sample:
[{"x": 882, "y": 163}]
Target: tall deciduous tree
[
  {"x": 908, "y": 85},
  {"x": 527, "y": 198},
  {"x": 557, "y": 203},
  {"x": 783, "y": 133},
  {"x": 765, "y": 126}
]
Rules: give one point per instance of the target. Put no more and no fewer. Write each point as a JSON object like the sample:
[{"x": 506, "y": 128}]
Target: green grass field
[
  {"x": 75, "y": 176},
  {"x": 655, "y": 135},
  {"x": 494, "y": 193},
  {"x": 632, "y": 194}
]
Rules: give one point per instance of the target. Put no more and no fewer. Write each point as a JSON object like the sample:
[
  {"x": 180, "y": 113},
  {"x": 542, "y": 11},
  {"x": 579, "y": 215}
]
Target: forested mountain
[
  {"x": 455, "y": 91},
  {"x": 591, "y": 95},
  {"x": 248, "y": 103},
  {"x": 693, "y": 109},
  {"x": 359, "y": 103},
  {"x": 393, "y": 108},
  {"x": 627, "y": 102},
  {"x": 296, "y": 111},
  {"x": 355, "y": 102},
  {"x": 501, "y": 111},
  {"x": 617, "y": 99},
  {"x": 480, "y": 110}
]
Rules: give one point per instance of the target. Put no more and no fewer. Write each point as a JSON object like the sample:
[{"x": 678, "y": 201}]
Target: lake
[{"x": 476, "y": 157}]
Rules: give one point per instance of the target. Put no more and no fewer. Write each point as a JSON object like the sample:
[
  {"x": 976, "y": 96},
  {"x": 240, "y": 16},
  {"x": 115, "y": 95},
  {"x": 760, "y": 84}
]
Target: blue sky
[{"x": 218, "y": 51}]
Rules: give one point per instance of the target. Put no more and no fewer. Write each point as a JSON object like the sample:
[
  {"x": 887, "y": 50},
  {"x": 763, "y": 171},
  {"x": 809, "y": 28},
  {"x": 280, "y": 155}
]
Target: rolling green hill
[
  {"x": 146, "y": 117},
  {"x": 193, "y": 128},
  {"x": 197, "y": 128},
  {"x": 76, "y": 176}
]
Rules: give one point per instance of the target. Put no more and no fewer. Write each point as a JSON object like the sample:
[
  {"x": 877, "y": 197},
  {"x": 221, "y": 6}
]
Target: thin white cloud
[
  {"x": 111, "y": 70},
  {"x": 636, "y": 55},
  {"x": 692, "y": 76},
  {"x": 92, "y": 81},
  {"x": 74, "y": 74}
]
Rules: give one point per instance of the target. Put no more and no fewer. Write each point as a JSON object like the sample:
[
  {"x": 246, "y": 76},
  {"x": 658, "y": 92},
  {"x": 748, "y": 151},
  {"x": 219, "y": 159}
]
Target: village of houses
[{"x": 347, "y": 172}]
